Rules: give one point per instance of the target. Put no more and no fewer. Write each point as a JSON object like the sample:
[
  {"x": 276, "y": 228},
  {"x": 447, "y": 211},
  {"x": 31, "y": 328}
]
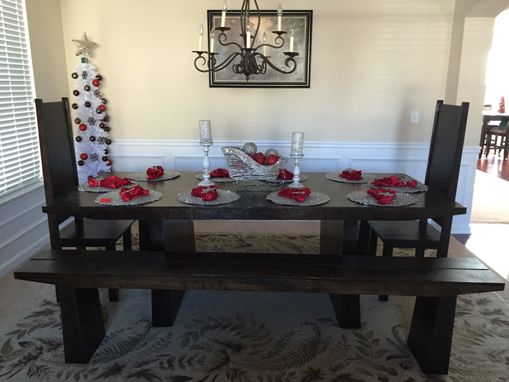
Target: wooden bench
[{"x": 436, "y": 282}]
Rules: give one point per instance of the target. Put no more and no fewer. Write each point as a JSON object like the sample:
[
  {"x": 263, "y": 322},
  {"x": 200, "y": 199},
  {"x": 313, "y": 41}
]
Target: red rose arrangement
[
  {"x": 155, "y": 172},
  {"x": 297, "y": 194},
  {"x": 393, "y": 181},
  {"x": 206, "y": 193},
  {"x": 266, "y": 160},
  {"x": 284, "y": 174},
  {"x": 220, "y": 173},
  {"x": 132, "y": 193},
  {"x": 111, "y": 181},
  {"x": 351, "y": 174},
  {"x": 382, "y": 196}
]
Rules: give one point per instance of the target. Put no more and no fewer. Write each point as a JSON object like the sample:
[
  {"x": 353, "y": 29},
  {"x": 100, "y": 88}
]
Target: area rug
[
  {"x": 489, "y": 204},
  {"x": 255, "y": 337}
]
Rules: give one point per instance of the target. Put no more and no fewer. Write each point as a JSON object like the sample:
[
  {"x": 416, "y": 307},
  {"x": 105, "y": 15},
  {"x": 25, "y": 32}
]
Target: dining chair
[
  {"x": 61, "y": 178},
  {"x": 494, "y": 135},
  {"x": 442, "y": 174}
]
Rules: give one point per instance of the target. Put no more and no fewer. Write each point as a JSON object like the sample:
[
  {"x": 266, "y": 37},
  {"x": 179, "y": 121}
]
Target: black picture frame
[{"x": 301, "y": 21}]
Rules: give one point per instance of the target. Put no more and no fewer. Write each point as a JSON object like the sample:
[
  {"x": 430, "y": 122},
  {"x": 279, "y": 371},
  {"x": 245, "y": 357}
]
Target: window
[{"x": 19, "y": 149}]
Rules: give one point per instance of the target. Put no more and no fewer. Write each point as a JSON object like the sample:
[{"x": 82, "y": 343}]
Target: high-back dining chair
[
  {"x": 494, "y": 135},
  {"x": 442, "y": 174},
  {"x": 61, "y": 178}
]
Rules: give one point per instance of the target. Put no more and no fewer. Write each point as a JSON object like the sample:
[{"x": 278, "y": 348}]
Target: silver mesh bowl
[{"x": 242, "y": 166}]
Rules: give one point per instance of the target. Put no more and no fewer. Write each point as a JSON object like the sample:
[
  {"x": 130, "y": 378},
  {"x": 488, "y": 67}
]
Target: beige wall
[
  {"x": 47, "y": 46},
  {"x": 373, "y": 62}
]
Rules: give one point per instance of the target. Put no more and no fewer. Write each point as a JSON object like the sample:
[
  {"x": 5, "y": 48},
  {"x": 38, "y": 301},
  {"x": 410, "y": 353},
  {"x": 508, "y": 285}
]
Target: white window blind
[{"x": 19, "y": 148}]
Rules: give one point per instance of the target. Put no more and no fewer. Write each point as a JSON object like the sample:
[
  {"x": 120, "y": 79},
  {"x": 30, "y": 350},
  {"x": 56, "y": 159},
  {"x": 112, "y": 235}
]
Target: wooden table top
[{"x": 253, "y": 205}]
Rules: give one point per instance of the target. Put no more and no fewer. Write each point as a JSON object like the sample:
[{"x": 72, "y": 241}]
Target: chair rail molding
[{"x": 410, "y": 158}]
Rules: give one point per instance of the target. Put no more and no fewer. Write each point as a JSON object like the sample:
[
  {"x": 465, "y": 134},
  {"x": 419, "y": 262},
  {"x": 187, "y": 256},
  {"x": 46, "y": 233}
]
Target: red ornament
[
  {"x": 271, "y": 159},
  {"x": 84, "y": 156},
  {"x": 501, "y": 105},
  {"x": 259, "y": 157},
  {"x": 96, "y": 83},
  {"x": 82, "y": 127},
  {"x": 101, "y": 107}
]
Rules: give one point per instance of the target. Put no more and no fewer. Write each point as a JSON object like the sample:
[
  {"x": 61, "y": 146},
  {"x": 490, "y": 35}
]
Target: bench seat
[{"x": 436, "y": 282}]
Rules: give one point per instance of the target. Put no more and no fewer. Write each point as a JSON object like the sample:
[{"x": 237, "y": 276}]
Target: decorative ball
[
  {"x": 80, "y": 163},
  {"x": 105, "y": 158},
  {"x": 101, "y": 107},
  {"x": 75, "y": 106},
  {"x": 98, "y": 77},
  {"x": 107, "y": 129},
  {"x": 272, "y": 152},
  {"x": 102, "y": 125},
  {"x": 250, "y": 148},
  {"x": 106, "y": 118},
  {"x": 77, "y": 121},
  {"x": 78, "y": 138},
  {"x": 88, "y": 104},
  {"x": 107, "y": 141},
  {"x": 76, "y": 93},
  {"x": 106, "y": 151},
  {"x": 82, "y": 127},
  {"x": 84, "y": 156},
  {"x": 74, "y": 75},
  {"x": 96, "y": 83},
  {"x": 104, "y": 101},
  {"x": 92, "y": 138},
  {"x": 98, "y": 111},
  {"x": 86, "y": 88}
]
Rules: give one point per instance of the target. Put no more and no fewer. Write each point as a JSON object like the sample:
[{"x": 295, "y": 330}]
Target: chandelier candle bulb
[
  {"x": 297, "y": 143},
  {"x": 205, "y": 132},
  {"x": 212, "y": 41},
  {"x": 264, "y": 41},
  {"x": 291, "y": 40},
  {"x": 223, "y": 14},
  {"x": 279, "y": 17},
  {"x": 248, "y": 37},
  {"x": 200, "y": 39}
]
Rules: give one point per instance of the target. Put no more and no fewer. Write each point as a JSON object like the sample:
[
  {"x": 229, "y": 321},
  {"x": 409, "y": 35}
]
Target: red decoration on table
[
  {"x": 393, "y": 181},
  {"x": 206, "y": 193},
  {"x": 382, "y": 196},
  {"x": 271, "y": 159},
  {"x": 351, "y": 174},
  {"x": 284, "y": 174},
  {"x": 297, "y": 194},
  {"x": 105, "y": 200},
  {"x": 132, "y": 193},
  {"x": 155, "y": 172},
  {"x": 259, "y": 157},
  {"x": 501, "y": 105},
  {"x": 219, "y": 173},
  {"x": 112, "y": 181}
]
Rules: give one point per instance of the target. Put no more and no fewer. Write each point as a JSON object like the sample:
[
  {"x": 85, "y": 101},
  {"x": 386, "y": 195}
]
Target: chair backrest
[
  {"x": 446, "y": 148},
  {"x": 57, "y": 148}
]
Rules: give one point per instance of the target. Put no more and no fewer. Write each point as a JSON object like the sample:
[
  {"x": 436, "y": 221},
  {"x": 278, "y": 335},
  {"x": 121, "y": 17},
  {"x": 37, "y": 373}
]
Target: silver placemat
[
  {"x": 362, "y": 197},
  {"x": 86, "y": 188},
  {"x": 215, "y": 180},
  {"x": 142, "y": 177},
  {"x": 116, "y": 200},
  {"x": 303, "y": 178},
  {"x": 314, "y": 199},
  {"x": 223, "y": 197},
  {"x": 420, "y": 187},
  {"x": 336, "y": 178}
]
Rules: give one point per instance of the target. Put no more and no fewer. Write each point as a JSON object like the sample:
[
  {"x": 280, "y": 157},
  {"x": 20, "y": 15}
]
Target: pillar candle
[
  {"x": 200, "y": 39},
  {"x": 205, "y": 132},
  {"x": 279, "y": 17},
  {"x": 291, "y": 41},
  {"x": 297, "y": 143},
  {"x": 223, "y": 15}
]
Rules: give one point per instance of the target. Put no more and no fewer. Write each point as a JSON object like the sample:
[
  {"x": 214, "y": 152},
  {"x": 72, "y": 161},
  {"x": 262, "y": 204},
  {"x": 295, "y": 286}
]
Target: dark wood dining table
[{"x": 167, "y": 224}]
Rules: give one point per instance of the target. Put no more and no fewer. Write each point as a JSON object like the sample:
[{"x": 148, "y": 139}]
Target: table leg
[
  {"x": 347, "y": 309},
  {"x": 82, "y": 323},
  {"x": 156, "y": 235},
  {"x": 431, "y": 331},
  {"x": 331, "y": 237}
]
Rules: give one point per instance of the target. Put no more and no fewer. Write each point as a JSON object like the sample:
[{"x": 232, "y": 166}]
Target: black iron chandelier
[{"x": 249, "y": 59}]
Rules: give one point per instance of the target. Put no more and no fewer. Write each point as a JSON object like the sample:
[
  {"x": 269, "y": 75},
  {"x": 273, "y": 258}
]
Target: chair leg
[
  {"x": 373, "y": 241},
  {"x": 419, "y": 252},
  {"x": 113, "y": 294},
  {"x": 387, "y": 251},
  {"x": 127, "y": 240}
]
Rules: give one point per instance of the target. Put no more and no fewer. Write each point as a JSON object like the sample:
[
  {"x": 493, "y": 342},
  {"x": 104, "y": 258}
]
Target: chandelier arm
[
  {"x": 258, "y": 17},
  {"x": 222, "y": 41},
  {"x": 211, "y": 63},
  {"x": 225, "y": 63},
  {"x": 290, "y": 62}
]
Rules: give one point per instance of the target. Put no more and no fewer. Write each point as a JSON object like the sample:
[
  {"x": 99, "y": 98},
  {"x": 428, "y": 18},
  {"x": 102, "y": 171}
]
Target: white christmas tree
[{"x": 91, "y": 118}]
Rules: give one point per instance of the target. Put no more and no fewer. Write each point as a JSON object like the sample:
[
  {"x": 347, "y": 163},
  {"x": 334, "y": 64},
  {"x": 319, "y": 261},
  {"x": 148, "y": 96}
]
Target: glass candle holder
[{"x": 206, "y": 142}]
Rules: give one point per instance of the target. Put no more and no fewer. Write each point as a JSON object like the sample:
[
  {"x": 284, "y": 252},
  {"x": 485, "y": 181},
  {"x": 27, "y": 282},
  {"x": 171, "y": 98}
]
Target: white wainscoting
[
  {"x": 319, "y": 157},
  {"x": 23, "y": 227}
]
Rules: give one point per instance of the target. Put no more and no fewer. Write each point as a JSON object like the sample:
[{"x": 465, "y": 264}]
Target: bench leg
[
  {"x": 165, "y": 306},
  {"x": 82, "y": 323},
  {"x": 430, "y": 335},
  {"x": 347, "y": 308}
]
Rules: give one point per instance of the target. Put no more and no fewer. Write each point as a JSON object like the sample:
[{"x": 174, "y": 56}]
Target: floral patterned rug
[{"x": 254, "y": 337}]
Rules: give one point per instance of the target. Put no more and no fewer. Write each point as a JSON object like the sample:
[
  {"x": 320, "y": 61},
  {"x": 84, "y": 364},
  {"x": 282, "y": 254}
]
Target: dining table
[{"x": 167, "y": 224}]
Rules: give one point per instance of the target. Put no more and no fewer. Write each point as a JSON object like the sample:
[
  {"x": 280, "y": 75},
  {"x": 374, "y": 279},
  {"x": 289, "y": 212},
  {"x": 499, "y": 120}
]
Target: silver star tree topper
[{"x": 84, "y": 46}]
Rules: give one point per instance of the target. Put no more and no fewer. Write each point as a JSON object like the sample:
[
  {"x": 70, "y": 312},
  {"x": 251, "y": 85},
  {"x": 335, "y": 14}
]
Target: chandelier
[{"x": 249, "y": 58}]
